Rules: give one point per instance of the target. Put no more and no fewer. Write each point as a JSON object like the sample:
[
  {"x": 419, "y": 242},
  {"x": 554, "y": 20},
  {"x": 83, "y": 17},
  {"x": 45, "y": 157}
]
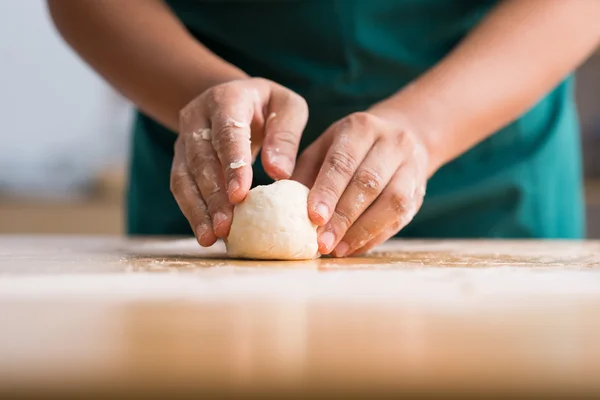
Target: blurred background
[{"x": 65, "y": 134}]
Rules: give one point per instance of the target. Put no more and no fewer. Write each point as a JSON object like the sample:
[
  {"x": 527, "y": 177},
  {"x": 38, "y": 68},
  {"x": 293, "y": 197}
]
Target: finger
[
  {"x": 190, "y": 201},
  {"x": 366, "y": 185},
  {"x": 207, "y": 173},
  {"x": 310, "y": 161},
  {"x": 352, "y": 139},
  {"x": 287, "y": 116},
  {"x": 257, "y": 136},
  {"x": 393, "y": 209},
  {"x": 381, "y": 238},
  {"x": 388, "y": 233},
  {"x": 230, "y": 109}
]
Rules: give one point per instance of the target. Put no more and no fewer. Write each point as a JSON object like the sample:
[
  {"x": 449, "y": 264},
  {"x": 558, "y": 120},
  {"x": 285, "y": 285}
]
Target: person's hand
[
  {"x": 220, "y": 134},
  {"x": 369, "y": 176}
]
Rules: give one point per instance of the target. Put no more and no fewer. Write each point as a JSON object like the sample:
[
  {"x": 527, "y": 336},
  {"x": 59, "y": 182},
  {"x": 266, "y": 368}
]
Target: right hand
[{"x": 220, "y": 134}]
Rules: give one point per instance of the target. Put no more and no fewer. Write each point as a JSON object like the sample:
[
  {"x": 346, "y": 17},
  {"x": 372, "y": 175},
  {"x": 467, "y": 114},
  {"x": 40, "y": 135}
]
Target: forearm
[
  {"x": 141, "y": 48},
  {"x": 516, "y": 55}
]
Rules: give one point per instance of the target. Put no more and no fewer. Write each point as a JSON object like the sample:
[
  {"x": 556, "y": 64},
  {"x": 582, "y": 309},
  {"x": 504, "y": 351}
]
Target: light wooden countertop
[{"x": 106, "y": 314}]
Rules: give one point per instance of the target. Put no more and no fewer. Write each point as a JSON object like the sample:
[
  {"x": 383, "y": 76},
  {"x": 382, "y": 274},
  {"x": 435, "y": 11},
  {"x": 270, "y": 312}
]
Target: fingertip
[
  {"x": 207, "y": 240},
  {"x": 342, "y": 249},
  {"x": 326, "y": 241},
  {"x": 318, "y": 212},
  {"x": 221, "y": 224},
  {"x": 222, "y": 231},
  {"x": 276, "y": 164},
  {"x": 357, "y": 252},
  {"x": 205, "y": 235},
  {"x": 232, "y": 189},
  {"x": 316, "y": 218},
  {"x": 239, "y": 185},
  {"x": 236, "y": 194},
  {"x": 276, "y": 173}
]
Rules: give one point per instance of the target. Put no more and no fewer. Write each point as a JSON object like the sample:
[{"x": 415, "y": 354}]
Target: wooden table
[{"x": 108, "y": 315}]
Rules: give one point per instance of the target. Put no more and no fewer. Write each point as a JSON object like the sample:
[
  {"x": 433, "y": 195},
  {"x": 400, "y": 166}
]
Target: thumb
[{"x": 286, "y": 120}]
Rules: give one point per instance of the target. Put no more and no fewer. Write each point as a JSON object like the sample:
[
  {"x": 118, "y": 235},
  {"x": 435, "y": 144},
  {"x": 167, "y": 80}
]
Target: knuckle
[
  {"x": 214, "y": 203},
  {"x": 225, "y": 134},
  {"x": 214, "y": 194},
  {"x": 229, "y": 135},
  {"x": 398, "y": 201},
  {"x": 343, "y": 217},
  {"x": 368, "y": 180},
  {"x": 361, "y": 235},
  {"x": 364, "y": 122},
  {"x": 342, "y": 163},
  {"x": 196, "y": 162},
  {"x": 198, "y": 212},
  {"x": 330, "y": 192},
  {"x": 219, "y": 94},
  {"x": 201, "y": 214},
  {"x": 195, "y": 170},
  {"x": 286, "y": 137},
  {"x": 213, "y": 191},
  {"x": 407, "y": 141},
  {"x": 361, "y": 119},
  {"x": 397, "y": 225}
]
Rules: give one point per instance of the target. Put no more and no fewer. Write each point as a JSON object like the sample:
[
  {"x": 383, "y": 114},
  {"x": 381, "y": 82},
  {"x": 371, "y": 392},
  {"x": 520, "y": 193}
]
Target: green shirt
[{"x": 344, "y": 55}]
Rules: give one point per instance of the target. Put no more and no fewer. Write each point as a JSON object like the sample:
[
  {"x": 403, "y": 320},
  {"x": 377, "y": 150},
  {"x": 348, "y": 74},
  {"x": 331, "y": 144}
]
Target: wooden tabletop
[{"x": 428, "y": 317}]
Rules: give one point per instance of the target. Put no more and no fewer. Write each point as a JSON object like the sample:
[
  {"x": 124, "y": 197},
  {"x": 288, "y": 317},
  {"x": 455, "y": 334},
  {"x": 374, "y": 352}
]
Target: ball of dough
[{"x": 272, "y": 224}]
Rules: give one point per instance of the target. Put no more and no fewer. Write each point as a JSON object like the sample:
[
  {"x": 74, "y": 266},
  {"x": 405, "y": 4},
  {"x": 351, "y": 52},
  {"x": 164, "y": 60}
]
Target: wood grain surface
[{"x": 109, "y": 315}]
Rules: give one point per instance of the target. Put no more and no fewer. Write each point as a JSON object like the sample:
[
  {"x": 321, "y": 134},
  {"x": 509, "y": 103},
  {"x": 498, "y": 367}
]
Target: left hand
[{"x": 368, "y": 176}]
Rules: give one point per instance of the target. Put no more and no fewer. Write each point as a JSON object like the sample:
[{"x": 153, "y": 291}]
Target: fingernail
[
  {"x": 233, "y": 186},
  {"x": 341, "y": 249},
  {"x": 201, "y": 230},
  {"x": 322, "y": 210},
  {"x": 281, "y": 162},
  {"x": 286, "y": 167},
  {"x": 219, "y": 218},
  {"x": 327, "y": 239}
]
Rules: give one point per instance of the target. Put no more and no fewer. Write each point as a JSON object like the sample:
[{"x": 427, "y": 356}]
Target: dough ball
[{"x": 272, "y": 224}]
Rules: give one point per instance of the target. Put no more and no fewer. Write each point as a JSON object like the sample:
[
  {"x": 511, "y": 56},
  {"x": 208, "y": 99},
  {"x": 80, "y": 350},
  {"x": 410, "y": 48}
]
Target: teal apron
[{"x": 344, "y": 55}]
